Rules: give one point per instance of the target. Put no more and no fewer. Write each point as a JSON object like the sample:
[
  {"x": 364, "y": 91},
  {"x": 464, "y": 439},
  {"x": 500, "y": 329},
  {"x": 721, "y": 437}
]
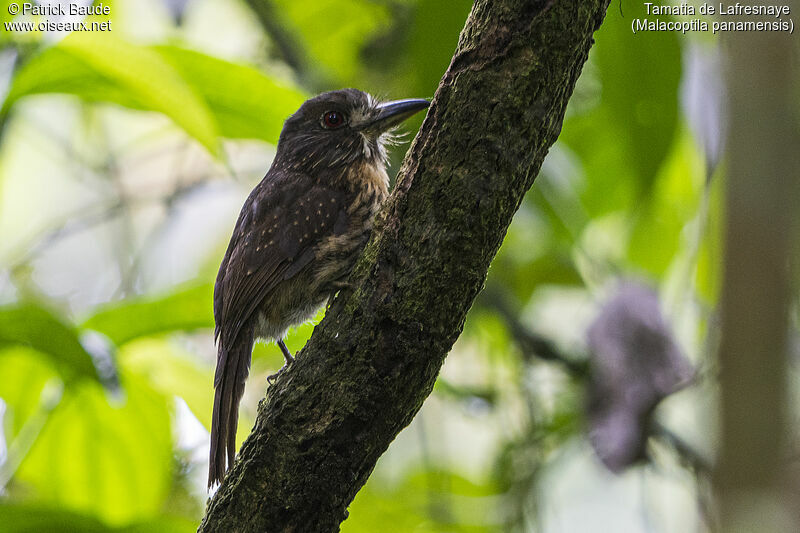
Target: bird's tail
[{"x": 233, "y": 365}]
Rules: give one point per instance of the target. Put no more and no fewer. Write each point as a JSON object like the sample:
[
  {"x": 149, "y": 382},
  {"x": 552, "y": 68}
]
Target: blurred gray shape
[
  {"x": 103, "y": 353},
  {"x": 176, "y": 8},
  {"x": 703, "y": 97},
  {"x": 635, "y": 363}
]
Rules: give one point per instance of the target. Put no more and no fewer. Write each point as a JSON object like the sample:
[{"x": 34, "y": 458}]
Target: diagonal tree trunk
[{"x": 374, "y": 358}]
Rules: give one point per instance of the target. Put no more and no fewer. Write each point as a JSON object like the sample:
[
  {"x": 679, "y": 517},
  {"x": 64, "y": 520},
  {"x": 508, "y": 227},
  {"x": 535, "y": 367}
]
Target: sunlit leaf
[
  {"x": 148, "y": 78},
  {"x": 25, "y": 375},
  {"x": 486, "y": 328},
  {"x": 101, "y": 67},
  {"x": 184, "y": 310},
  {"x": 29, "y": 324},
  {"x": 245, "y": 102},
  {"x": 173, "y": 372},
  {"x": 108, "y": 458},
  {"x": 660, "y": 221},
  {"x": 58, "y": 71},
  {"x": 204, "y": 95},
  {"x": 709, "y": 260}
]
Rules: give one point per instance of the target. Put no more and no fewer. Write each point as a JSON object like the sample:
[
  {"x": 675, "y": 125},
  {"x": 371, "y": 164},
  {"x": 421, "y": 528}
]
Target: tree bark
[{"x": 374, "y": 358}]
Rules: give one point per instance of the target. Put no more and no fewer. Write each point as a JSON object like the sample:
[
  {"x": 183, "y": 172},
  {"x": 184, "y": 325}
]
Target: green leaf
[
  {"x": 25, "y": 375},
  {"x": 202, "y": 94},
  {"x": 640, "y": 87},
  {"x": 58, "y": 71},
  {"x": 108, "y": 458},
  {"x": 29, "y": 324},
  {"x": 411, "y": 505},
  {"x": 184, "y": 310},
  {"x": 622, "y": 121},
  {"x": 533, "y": 254},
  {"x": 100, "y": 67},
  {"x": 172, "y": 372},
  {"x": 660, "y": 222},
  {"x": 162, "y": 524},
  {"x": 489, "y": 333},
  {"x": 334, "y": 31},
  {"x": 432, "y": 40},
  {"x": 28, "y": 518},
  {"x": 708, "y": 277},
  {"x": 523, "y": 277},
  {"x": 245, "y": 102}
]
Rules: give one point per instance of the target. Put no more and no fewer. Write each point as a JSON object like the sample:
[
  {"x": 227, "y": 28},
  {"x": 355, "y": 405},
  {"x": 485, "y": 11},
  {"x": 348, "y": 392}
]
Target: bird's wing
[{"x": 281, "y": 222}]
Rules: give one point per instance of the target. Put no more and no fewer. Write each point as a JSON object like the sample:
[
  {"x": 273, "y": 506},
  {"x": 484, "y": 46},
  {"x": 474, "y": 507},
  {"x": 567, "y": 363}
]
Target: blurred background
[{"x": 124, "y": 159}]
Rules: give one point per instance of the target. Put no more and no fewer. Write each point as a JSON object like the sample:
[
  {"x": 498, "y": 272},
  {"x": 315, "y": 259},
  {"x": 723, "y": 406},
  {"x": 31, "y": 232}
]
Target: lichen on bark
[{"x": 373, "y": 360}]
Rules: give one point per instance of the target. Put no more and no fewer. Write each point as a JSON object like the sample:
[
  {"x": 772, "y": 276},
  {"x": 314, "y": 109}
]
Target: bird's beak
[{"x": 391, "y": 114}]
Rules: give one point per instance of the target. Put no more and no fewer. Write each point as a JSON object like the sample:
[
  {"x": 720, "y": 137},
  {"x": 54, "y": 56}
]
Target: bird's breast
[{"x": 336, "y": 254}]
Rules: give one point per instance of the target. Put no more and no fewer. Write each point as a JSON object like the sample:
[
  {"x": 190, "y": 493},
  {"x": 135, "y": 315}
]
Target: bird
[{"x": 297, "y": 238}]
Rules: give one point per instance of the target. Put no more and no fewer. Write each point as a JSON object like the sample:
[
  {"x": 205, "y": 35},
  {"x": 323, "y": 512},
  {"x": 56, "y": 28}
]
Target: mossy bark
[{"x": 374, "y": 358}]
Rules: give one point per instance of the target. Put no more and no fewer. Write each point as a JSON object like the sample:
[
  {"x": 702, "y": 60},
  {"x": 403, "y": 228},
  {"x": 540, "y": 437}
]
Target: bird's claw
[{"x": 272, "y": 377}]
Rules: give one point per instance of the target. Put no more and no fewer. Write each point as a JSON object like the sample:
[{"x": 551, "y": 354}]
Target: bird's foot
[
  {"x": 287, "y": 356},
  {"x": 272, "y": 377}
]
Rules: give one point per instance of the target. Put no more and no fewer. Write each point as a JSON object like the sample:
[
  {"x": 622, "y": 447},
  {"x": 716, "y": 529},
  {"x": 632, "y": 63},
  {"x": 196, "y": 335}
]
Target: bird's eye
[{"x": 332, "y": 119}]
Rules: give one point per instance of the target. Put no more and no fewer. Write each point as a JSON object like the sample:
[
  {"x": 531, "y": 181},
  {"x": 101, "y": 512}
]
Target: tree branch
[
  {"x": 532, "y": 345},
  {"x": 287, "y": 45},
  {"x": 374, "y": 358}
]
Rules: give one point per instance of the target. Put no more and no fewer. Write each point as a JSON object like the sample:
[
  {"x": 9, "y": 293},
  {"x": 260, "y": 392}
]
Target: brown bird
[{"x": 297, "y": 238}]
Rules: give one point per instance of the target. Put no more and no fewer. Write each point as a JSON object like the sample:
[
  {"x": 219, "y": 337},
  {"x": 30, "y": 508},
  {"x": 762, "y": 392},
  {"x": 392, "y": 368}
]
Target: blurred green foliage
[
  {"x": 205, "y": 96},
  {"x": 623, "y": 192},
  {"x": 24, "y": 323},
  {"x": 181, "y": 310}
]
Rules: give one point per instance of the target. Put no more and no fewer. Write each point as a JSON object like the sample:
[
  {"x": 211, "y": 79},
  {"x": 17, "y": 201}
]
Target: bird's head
[{"x": 340, "y": 128}]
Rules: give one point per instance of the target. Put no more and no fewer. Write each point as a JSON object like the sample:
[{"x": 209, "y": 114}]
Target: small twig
[
  {"x": 532, "y": 345},
  {"x": 288, "y": 46},
  {"x": 49, "y": 398},
  {"x": 71, "y": 224},
  {"x": 694, "y": 459}
]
